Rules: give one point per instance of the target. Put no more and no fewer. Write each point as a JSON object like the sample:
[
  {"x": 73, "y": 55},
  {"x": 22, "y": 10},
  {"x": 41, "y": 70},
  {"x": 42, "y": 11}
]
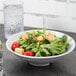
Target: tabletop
[{"x": 13, "y": 66}]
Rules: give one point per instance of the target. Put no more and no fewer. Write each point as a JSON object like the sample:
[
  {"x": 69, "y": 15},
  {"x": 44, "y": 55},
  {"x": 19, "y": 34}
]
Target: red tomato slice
[
  {"x": 28, "y": 53},
  {"x": 35, "y": 37},
  {"x": 51, "y": 40},
  {"x": 15, "y": 45}
]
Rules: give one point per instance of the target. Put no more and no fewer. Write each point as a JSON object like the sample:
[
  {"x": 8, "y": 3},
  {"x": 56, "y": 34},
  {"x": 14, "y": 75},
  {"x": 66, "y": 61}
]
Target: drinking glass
[
  {"x": 13, "y": 17},
  {"x": 1, "y": 60}
]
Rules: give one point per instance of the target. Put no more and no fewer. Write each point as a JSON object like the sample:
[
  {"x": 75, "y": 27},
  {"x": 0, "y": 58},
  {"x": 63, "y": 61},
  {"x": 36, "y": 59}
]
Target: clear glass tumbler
[
  {"x": 13, "y": 17},
  {"x": 1, "y": 60}
]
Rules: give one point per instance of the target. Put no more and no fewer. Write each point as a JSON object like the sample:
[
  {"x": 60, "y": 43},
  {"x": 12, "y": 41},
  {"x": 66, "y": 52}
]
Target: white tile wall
[
  {"x": 72, "y": 1},
  {"x": 1, "y": 17},
  {"x": 1, "y": 4},
  {"x": 50, "y": 7},
  {"x": 58, "y": 14},
  {"x": 33, "y": 20},
  {"x": 72, "y": 10},
  {"x": 56, "y": 22},
  {"x": 61, "y": 23}
]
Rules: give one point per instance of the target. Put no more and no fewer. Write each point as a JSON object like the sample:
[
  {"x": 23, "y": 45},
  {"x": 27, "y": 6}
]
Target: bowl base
[{"x": 39, "y": 64}]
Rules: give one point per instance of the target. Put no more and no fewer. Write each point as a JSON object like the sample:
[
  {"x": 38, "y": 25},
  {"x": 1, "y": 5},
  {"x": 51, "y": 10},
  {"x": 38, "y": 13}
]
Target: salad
[{"x": 40, "y": 44}]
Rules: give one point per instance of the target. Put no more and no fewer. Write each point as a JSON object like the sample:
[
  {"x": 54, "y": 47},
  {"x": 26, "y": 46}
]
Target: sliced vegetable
[
  {"x": 19, "y": 50},
  {"x": 40, "y": 44},
  {"x": 25, "y": 37},
  {"x": 64, "y": 38},
  {"x": 35, "y": 50},
  {"x": 40, "y": 38},
  {"x": 15, "y": 45},
  {"x": 28, "y": 53},
  {"x": 56, "y": 47},
  {"x": 50, "y": 37},
  {"x": 31, "y": 46},
  {"x": 22, "y": 42},
  {"x": 35, "y": 37},
  {"x": 24, "y": 47},
  {"x": 45, "y": 52},
  {"x": 38, "y": 54}
]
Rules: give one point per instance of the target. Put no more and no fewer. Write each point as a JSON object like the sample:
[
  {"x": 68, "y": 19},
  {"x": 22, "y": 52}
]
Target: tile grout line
[{"x": 50, "y": 15}]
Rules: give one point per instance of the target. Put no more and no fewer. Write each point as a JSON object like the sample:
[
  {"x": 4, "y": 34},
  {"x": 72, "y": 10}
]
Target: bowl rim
[{"x": 47, "y": 57}]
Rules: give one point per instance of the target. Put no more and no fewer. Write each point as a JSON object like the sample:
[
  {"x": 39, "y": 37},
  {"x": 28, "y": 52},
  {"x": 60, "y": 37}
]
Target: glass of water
[
  {"x": 13, "y": 17},
  {"x": 1, "y": 60}
]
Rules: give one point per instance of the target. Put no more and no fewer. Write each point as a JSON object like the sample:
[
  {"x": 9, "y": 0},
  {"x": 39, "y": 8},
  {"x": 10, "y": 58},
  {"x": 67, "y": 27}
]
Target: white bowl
[{"x": 40, "y": 61}]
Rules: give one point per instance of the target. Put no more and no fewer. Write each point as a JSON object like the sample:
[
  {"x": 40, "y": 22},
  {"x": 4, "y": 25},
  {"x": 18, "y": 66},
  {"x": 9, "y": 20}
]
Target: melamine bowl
[{"x": 40, "y": 61}]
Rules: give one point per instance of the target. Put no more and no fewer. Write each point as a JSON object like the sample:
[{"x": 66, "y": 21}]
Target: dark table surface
[{"x": 13, "y": 66}]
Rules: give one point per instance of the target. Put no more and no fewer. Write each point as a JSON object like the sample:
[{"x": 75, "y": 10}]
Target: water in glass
[
  {"x": 1, "y": 60},
  {"x": 13, "y": 19}
]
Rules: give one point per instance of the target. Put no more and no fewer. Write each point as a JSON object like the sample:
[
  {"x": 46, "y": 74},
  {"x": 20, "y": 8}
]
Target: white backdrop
[{"x": 54, "y": 14}]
